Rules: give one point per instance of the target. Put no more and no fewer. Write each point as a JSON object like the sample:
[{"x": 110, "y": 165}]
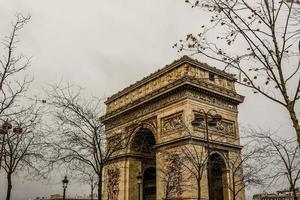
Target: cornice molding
[
  {"x": 183, "y": 60},
  {"x": 193, "y": 83}
]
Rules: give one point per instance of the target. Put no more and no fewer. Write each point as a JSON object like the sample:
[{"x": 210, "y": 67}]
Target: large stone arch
[
  {"x": 149, "y": 183},
  {"x": 164, "y": 103},
  {"x": 142, "y": 147},
  {"x": 224, "y": 157},
  {"x": 217, "y": 176},
  {"x": 144, "y": 139},
  {"x": 136, "y": 127}
]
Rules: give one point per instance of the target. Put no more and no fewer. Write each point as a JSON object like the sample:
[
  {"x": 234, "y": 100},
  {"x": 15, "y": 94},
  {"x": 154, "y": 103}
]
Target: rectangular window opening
[{"x": 211, "y": 76}]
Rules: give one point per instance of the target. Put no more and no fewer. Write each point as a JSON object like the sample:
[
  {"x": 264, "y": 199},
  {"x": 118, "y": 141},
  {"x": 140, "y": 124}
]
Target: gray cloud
[{"x": 105, "y": 45}]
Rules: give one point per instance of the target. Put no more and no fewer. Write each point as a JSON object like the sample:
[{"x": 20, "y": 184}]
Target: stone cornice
[
  {"x": 196, "y": 84},
  {"x": 167, "y": 68}
]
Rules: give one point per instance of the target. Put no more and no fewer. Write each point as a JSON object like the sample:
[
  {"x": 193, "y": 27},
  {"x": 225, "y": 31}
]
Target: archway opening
[
  {"x": 143, "y": 142},
  {"x": 143, "y": 146},
  {"x": 217, "y": 168},
  {"x": 149, "y": 186}
]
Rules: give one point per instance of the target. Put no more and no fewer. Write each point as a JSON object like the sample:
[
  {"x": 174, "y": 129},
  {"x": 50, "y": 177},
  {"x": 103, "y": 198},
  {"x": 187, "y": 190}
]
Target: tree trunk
[
  {"x": 295, "y": 121},
  {"x": 294, "y": 194},
  {"x": 92, "y": 191},
  {"x": 233, "y": 187},
  {"x": 199, "y": 189},
  {"x": 2, "y": 151},
  {"x": 9, "y": 186},
  {"x": 293, "y": 190},
  {"x": 100, "y": 186}
]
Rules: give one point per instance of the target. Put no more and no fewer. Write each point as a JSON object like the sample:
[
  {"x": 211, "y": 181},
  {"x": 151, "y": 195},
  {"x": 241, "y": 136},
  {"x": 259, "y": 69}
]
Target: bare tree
[
  {"x": 283, "y": 156},
  {"x": 172, "y": 175},
  {"x": 22, "y": 141},
  {"x": 86, "y": 175},
  {"x": 195, "y": 162},
  {"x": 81, "y": 135},
  {"x": 257, "y": 41},
  {"x": 25, "y": 148},
  {"x": 246, "y": 170},
  {"x": 12, "y": 85}
]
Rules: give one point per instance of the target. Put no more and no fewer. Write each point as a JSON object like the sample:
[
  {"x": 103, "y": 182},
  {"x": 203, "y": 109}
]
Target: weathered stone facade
[{"x": 162, "y": 107}]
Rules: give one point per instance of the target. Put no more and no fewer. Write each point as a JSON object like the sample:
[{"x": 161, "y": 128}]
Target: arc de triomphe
[{"x": 159, "y": 110}]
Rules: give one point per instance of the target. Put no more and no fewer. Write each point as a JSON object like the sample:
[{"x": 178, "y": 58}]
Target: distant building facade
[
  {"x": 60, "y": 197},
  {"x": 279, "y": 195}
]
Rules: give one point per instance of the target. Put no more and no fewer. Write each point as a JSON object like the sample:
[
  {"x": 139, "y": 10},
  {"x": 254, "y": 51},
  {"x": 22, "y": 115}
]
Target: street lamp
[
  {"x": 65, "y": 185},
  {"x": 140, "y": 182},
  {"x": 6, "y": 126},
  {"x": 210, "y": 118}
]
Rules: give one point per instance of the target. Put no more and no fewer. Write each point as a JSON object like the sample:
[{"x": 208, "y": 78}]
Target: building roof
[{"x": 167, "y": 68}]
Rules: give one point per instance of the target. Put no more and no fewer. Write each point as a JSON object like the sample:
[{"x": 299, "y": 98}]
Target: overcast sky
[{"x": 105, "y": 45}]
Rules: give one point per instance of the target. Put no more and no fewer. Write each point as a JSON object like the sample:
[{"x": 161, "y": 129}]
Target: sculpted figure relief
[
  {"x": 172, "y": 123},
  {"x": 113, "y": 183}
]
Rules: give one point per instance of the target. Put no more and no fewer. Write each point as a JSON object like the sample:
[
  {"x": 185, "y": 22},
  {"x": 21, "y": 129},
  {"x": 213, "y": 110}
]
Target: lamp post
[
  {"x": 140, "y": 182},
  {"x": 6, "y": 126},
  {"x": 210, "y": 118},
  {"x": 65, "y": 185},
  {"x": 4, "y": 130}
]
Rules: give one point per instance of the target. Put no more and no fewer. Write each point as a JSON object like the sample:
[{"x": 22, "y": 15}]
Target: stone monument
[{"x": 158, "y": 112}]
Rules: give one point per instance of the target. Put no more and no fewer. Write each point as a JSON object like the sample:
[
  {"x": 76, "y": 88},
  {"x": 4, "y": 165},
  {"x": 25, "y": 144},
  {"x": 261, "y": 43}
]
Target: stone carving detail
[
  {"x": 173, "y": 177},
  {"x": 117, "y": 141},
  {"x": 136, "y": 113},
  {"x": 146, "y": 89},
  {"x": 194, "y": 73},
  {"x": 224, "y": 127},
  {"x": 150, "y": 123},
  {"x": 172, "y": 123},
  {"x": 212, "y": 100},
  {"x": 113, "y": 175},
  {"x": 163, "y": 102}
]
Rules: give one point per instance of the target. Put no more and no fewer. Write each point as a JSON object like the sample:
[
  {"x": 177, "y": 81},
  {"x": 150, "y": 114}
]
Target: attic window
[{"x": 211, "y": 76}]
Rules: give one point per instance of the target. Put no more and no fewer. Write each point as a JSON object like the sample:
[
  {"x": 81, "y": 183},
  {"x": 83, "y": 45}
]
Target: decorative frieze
[
  {"x": 144, "y": 110},
  {"x": 172, "y": 123},
  {"x": 165, "y": 100},
  {"x": 218, "y": 96},
  {"x": 212, "y": 100},
  {"x": 170, "y": 73},
  {"x": 149, "y": 87}
]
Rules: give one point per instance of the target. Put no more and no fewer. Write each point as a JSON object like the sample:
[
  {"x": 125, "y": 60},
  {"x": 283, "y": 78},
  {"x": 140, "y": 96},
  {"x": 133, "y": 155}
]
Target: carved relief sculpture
[
  {"x": 224, "y": 127},
  {"x": 173, "y": 177},
  {"x": 172, "y": 123},
  {"x": 113, "y": 183}
]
